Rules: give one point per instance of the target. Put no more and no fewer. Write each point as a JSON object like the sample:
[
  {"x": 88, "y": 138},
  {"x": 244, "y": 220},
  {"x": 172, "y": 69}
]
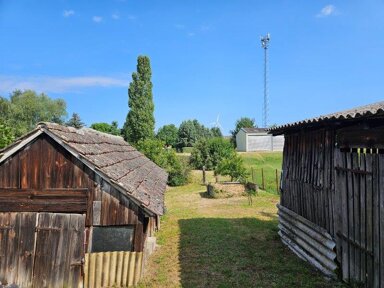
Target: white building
[{"x": 258, "y": 139}]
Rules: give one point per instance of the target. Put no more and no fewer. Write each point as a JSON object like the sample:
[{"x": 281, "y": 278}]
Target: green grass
[
  {"x": 269, "y": 161},
  {"x": 224, "y": 243}
]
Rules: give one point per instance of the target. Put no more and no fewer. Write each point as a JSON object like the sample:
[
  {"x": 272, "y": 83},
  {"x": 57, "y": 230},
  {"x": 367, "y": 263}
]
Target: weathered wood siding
[
  {"x": 335, "y": 179},
  {"x": 308, "y": 176},
  {"x": 41, "y": 249},
  {"x": 44, "y": 177}
]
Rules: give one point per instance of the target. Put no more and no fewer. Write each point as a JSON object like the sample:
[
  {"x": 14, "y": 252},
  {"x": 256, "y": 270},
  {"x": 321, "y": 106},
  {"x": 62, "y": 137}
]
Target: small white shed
[{"x": 258, "y": 139}]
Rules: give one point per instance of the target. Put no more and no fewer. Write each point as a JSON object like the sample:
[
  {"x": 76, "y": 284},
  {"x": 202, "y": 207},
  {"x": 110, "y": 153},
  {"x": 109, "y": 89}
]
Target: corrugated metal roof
[
  {"x": 358, "y": 112},
  {"x": 255, "y": 130}
]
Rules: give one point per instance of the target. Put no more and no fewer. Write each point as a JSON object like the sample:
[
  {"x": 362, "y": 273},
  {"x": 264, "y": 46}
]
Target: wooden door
[
  {"x": 59, "y": 250},
  {"x": 17, "y": 240},
  {"x": 360, "y": 190}
]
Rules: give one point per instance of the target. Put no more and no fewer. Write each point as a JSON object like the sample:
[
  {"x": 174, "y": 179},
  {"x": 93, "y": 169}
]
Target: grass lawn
[
  {"x": 269, "y": 161},
  {"x": 224, "y": 243}
]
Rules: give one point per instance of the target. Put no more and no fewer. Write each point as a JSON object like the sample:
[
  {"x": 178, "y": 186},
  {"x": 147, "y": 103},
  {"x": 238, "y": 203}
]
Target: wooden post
[
  {"x": 253, "y": 175},
  {"x": 262, "y": 178},
  {"x": 204, "y": 176},
  {"x": 277, "y": 183}
]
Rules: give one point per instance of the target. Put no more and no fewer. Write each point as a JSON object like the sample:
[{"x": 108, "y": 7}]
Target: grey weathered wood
[
  {"x": 363, "y": 197},
  {"x": 381, "y": 206},
  {"x": 96, "y": 212},
  {"x": 376, "y": 220},
  {"x": 356, "y": 212},
  {"x": 350, "y": 206},
  {"x": 369, "y": 219}
]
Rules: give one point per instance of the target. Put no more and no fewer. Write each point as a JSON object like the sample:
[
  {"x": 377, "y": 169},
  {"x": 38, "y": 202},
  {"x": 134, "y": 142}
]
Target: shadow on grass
[{"x": 240, "y": 252}]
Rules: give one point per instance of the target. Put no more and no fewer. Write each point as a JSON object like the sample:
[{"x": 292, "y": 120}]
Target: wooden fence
[{"x": 112, "y": 269}]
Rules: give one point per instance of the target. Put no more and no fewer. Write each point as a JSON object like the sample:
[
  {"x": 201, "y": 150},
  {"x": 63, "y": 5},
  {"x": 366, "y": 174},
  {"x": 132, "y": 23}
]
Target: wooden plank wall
[
  {"x": 360, "y": 182},
  {"x": 43, "y": 177},
  {"x": 307, "y": 179},
  {"x": 17, "y": 239}
]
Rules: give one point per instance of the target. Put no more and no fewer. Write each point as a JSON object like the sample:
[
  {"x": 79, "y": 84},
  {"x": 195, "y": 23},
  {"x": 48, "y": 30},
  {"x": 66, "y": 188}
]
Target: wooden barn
[
  {"x": 78, "y": 208},
  {"x": 331, "y": 211}
]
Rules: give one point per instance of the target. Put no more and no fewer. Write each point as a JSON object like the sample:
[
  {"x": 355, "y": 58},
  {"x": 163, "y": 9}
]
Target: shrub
[
  {"x": 233, "y": 167},
  {"x": 209, "y": 153},
  {"x": 178, "y": 171}
]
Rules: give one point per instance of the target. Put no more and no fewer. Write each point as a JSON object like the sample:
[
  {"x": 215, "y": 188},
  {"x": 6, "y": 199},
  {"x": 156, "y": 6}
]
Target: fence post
[
  {"x": 253, "y": 175},
  {"x": 277, "y": 183},
  {"x": 262, "y": 178},
  {"x": 204, "y": 176}
]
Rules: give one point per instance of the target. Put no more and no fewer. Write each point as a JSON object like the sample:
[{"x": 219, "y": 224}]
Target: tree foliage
[
  {"x": 243, "y": 122},
  {"x": 216, "y": 132},
  {"x": 168, "y": 134},
  {"x": 209, "y": 153},
  {"x": 6, "y": 135},
  {"x": 107, "y": 128},
  {"x": 140, "y": 122},
  {"x": 232, "y": 166},
  {"x": 190, "y": 131},
  {"x": 75, "y": 121},
  {"x": 178, "y": 171},
  {"x": 25, "y": 109}
]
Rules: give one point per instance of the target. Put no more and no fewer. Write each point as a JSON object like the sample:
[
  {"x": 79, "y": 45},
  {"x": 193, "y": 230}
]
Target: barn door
[
  {"x": 359, "y": 187},
  {"x": 17, "y": 239},
  {"x": 59, "y": 250}
]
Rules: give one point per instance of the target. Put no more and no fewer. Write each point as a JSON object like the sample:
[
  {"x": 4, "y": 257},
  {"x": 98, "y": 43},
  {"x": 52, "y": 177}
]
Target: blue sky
[{"x": 206, "y": 56}]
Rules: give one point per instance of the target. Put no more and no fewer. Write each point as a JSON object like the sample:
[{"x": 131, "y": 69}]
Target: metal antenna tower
[{"x": 264, "y": 45}]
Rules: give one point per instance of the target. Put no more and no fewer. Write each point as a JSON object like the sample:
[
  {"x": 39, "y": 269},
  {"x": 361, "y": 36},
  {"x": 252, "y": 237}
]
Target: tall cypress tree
[{"x": 140, "y": 122}]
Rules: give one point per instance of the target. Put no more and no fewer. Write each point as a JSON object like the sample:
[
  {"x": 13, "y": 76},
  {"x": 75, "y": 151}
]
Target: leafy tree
[
  {"x": 6, "y": 135},
  {"x": 75, "y": 121},
  {"x": 168, "y": 134},
  {"x": 209, "y": 153},
  {"x": 243, "y": 122},
  {"x": 178, "y": 171},
  {"x": 216, "y": 132},
  {"x": 25, "y": 109},
  {"x": 107, "y": 128},
  {"x": 190, "y": 131},
  {"x": 140, "y": 122},
  {"x": 232, "y": 166}
]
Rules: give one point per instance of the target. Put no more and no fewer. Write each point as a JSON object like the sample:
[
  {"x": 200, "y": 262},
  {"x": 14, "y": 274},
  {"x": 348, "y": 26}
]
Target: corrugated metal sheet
[
  {"x": 112, "y": 269},
  {"x": 358, "y": 112},
  {"x": 309, "y": 241}
]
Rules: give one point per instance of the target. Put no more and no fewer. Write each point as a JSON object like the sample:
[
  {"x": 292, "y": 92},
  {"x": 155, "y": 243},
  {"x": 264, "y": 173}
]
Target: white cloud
[
  {"x": 115, "y": 16},
  {"x": 327, "y": 11},
  {"x": 97, "y": 19},
  {"x": 68, "y": 13},
  {"x": 58, "y": 84}
]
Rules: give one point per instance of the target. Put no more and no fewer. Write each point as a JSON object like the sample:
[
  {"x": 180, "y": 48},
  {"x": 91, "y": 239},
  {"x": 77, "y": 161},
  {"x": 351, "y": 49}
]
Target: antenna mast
[{"x": 264, "y": 45}]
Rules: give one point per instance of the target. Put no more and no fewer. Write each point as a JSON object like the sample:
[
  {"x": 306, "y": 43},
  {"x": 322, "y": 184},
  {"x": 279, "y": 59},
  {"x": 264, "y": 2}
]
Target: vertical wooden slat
[
  {"x": 376, "y": 220},
  {"x": 369, "y": 219},
  {"x": 86, "y": 270},
  {"x": 99, "y": 269},
  {"x": 363, "y": 198},
  {"x": 112, "y": 269},
  {"x": 381, "y": 216},
  {"x": 106, "y": 270},
  {"x": 344, "y": 220},
  {"x": 351, "y": 227},
  {"x": 356, "y": 212}
]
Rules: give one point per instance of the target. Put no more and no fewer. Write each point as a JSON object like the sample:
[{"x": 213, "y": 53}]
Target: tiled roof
[{"x": 359, "y": 112}]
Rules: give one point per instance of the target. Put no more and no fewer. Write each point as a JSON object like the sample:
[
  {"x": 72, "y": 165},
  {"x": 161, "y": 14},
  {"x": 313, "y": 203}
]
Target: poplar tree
[{"x": 140, "y": 122}]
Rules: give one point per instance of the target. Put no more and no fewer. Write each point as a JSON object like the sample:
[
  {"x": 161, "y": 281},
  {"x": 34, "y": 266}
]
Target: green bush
[
  {"x": 233, "y": 167},
  {"x": 209, "y": 153},
  {"x": 178, "y": 170}
]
